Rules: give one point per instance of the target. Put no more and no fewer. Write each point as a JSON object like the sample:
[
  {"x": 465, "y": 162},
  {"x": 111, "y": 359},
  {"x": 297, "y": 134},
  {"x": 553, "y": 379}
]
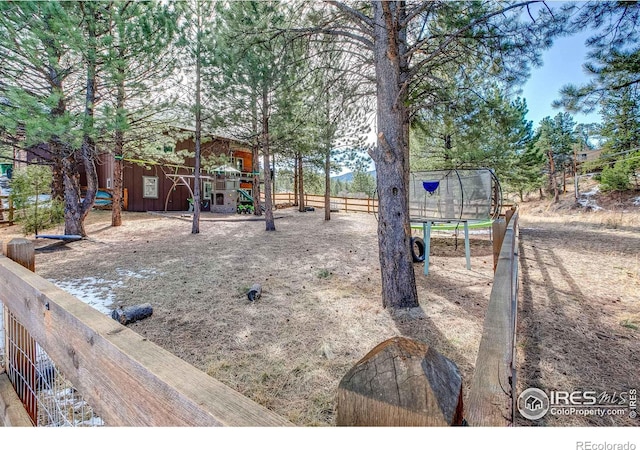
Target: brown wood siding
[
  {"x": 178, "y": 200},
  {"x": 133, "y": 173}
]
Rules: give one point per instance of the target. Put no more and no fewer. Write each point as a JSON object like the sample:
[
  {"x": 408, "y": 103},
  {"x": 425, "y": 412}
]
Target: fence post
[
  {"x": 401, "y": 382},
  {"x": 21, "y": 347},
  {"x": 345, "y": 204},
  {"x": 10, "y": 210},
  {"x": 498, "y": 227}
]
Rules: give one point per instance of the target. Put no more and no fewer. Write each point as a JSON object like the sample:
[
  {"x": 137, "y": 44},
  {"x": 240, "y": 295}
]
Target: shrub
[
  {"x": 31, "y": 196},
  {"x": 615, "y": 178}
]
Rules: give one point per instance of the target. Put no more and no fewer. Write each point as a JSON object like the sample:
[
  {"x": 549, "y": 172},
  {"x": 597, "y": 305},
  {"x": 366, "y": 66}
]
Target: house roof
[{"x": 219, "y": 134}]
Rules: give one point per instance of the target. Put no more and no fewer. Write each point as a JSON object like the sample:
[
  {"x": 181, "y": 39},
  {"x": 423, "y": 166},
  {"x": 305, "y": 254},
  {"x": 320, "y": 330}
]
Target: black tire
[{"x": 417, "y": 249}]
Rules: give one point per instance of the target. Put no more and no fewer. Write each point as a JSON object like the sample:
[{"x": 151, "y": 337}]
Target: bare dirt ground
[
  {"x": 321, "y": 310},
  {"x": 579, "y": 315}
]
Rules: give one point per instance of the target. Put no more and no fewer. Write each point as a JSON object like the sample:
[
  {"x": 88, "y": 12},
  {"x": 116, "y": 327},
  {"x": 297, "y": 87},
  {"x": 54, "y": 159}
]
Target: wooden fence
[
  {"x": 6, "y": 214},
  {"x": 128, "y": 380},
  {"x": 346, "y": 204},
  {"x": 492, "y": 396},
  {"x": 381, "y": 389}
]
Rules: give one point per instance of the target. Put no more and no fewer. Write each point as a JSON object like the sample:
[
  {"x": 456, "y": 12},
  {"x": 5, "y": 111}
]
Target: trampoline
[{"x": 446, "y": 199}]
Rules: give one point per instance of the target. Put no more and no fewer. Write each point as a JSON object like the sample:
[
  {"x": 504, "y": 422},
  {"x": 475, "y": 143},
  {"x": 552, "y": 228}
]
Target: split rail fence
[
  {"x": 402, "y": 382},
  {"x": 346, "y": 204}
]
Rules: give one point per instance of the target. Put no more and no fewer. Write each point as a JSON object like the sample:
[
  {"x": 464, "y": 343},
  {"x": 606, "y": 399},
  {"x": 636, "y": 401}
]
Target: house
[
  {"x": 167, "y": 186},
  {"x": 588, "y": 155}
]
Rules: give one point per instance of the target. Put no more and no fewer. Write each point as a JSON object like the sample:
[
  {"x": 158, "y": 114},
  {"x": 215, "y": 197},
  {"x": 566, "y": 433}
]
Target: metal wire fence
[{"x": 48, "y": 397}]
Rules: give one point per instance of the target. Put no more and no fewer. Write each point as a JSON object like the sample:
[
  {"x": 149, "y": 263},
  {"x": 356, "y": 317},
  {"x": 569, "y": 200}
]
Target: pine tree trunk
[
  {"x": 295, "y": 181},
  {"x": 76, "y": 208},
  {"x": 195, "y": 226},
  {"x": 268, "y": 205},
  {"x": 73, "y": 217},
  {"x": 301, "y": 204},
  {"x": 255, "y": 155},
  {"x": 552, "y": 177},
  {"x": 327, "y": 183},
  {"x": 118, "y": 185},
  {"x": 391, "y": 157}
]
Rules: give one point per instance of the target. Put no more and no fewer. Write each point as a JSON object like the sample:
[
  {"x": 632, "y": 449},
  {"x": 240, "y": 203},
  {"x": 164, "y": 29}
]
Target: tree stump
[{"x": 401, "y": 382}]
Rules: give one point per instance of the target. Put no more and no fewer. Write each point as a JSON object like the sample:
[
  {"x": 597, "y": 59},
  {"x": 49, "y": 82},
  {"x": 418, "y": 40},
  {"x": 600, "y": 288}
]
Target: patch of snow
[
  {"x": 586, "y": 200},
  {"x": 590, "y": 193},
  {"x": 98, "y": 292},
  {"x": 91, "y": 290},
  {"x": 636, "y": 201},
  {"x": 141, "y": 274}
]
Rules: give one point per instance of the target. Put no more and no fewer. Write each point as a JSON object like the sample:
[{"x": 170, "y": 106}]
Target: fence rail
[
  {"x": 492, "y": 396},
  {"x": 346, "y": 204},
  {"x": 128, "y": 380}
]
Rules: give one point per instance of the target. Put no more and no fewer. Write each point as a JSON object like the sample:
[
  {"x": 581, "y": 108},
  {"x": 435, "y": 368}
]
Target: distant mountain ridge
[{"x": 348, "y": 177}]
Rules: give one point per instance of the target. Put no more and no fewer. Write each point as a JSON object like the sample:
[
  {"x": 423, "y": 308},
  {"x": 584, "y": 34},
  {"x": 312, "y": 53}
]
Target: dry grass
[
  {"x": 580, "y": 301},
  {"x": 320, "y": 309}
]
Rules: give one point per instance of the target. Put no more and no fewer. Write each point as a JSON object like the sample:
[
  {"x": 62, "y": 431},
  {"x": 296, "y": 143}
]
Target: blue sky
[{"x": 562, "y": 64}]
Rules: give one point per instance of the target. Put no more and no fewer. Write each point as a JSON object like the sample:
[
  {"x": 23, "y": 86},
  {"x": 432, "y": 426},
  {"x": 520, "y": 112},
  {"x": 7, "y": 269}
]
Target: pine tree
[
  {"x": 613, "y": 57},
  {"x": 257, "y": 74},
  {"x": 407, "y": 42},
  {"x": 50, "y": 44},
  {"x": 138, "y": 64}
]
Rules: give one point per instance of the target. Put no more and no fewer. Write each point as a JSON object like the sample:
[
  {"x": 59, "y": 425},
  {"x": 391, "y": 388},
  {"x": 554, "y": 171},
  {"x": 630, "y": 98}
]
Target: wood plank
[
  {"x": 21, "y": 356},
  {"x": 498, "y": 227},
  {"x": 490, "y": 397},
  {"x": 12, "y": 412},
  {"x": 127, "y": 379}
]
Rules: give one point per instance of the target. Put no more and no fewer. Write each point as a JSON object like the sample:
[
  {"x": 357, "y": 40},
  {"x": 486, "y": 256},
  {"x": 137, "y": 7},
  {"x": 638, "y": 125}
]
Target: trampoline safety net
[{"x": 451, "y": 195}]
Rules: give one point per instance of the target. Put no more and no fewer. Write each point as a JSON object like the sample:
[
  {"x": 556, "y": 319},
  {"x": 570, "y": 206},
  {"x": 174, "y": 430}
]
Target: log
[
  {"x": 401, "y": 382},
  {"x": 255, "y": 292},
  {"x": 132, "y": 314}
]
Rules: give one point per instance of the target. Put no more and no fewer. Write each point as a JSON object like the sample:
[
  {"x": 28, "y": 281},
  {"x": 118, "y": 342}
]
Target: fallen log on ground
[{"x": 132, "y": 313}]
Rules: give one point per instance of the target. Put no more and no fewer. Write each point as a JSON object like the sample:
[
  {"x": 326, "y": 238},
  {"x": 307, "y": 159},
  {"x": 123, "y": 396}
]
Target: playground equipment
[
  {"x": 444, "y": 199},
  {"x": 246, "y": 205}
]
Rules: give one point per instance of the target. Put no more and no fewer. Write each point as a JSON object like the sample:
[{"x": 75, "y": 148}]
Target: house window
[
  {"x": 219, "y": 199},
  {"x": 149, "y": 187},
  {"x": 208, "y": 188},
  {"x": 239, "y": 164}
]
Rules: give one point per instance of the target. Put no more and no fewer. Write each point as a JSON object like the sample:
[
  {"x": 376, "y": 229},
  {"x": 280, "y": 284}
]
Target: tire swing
[{"x": 417, "y": 249}]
